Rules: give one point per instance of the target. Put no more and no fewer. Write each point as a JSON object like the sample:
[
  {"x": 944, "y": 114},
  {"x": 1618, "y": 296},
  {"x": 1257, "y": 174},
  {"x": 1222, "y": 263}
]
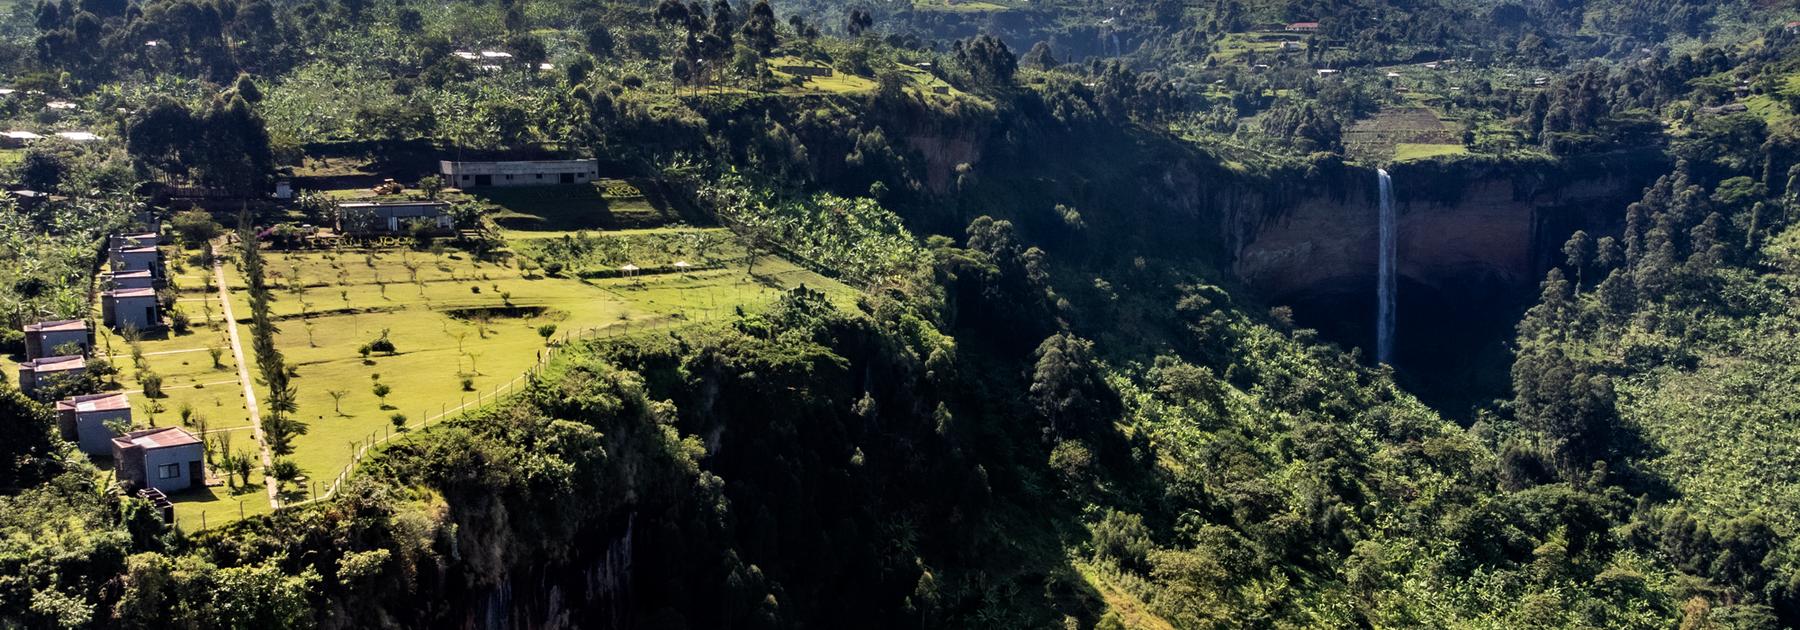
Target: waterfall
[{"x": 1386, "y": 283}]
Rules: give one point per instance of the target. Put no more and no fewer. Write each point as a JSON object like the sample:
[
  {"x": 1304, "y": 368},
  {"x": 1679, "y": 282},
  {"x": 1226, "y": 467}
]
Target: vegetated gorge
[{"x": 982, "y": 313}]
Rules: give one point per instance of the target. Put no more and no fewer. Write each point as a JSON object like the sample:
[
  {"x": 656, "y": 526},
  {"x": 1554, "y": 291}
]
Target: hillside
[{"x": 1234, "y": 314}]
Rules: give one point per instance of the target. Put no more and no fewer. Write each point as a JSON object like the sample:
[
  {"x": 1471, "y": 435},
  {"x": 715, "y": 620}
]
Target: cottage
[
  {"x": 140, "y": 279},
  {"x": 391, "y": 216},
  {"x": 77, "y": 136},
  {"x": 134, "y": 239},
  {"x": 45, "y": 371},
  {"x": 1290, "y": 46},
  {"x": 137, "y": 259},
  {"x": 45, "y": 338},
  {"x": 1326, "y": 72},
  {"x": 84, "y": 420},
  {"x": 16, "y": 139},
  {"x": 135, "y": 308},
  {"x": 168, "y": 459},
  {"x": 1302, "y": 27},
  {"x": 524, "y": 173}
]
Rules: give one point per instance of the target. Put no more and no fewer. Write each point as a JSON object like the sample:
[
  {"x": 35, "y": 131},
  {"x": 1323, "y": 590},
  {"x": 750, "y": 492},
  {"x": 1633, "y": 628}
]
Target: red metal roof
[
  {"x": 131, "y": 293},
  {"x": 54, "y": 364},
  {"x": 150, "y": 439},
  {"x": 95, "y": 402},
  {"x": 61, "y": 325}
]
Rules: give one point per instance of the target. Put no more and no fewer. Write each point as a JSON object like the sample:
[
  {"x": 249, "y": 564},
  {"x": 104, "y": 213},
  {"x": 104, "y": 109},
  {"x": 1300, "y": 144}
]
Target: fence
[
  {"x": 494, "y": 396},
  {"x": 497, "y": 393}
]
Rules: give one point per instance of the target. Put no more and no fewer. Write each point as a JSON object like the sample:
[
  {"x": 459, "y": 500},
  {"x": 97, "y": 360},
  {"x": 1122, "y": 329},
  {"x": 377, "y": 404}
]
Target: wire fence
[
  {"x": 495, "y": 395},
  {"x": 713, "y": 310}
]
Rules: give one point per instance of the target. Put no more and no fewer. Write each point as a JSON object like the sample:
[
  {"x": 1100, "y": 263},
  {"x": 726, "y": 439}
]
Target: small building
[
  {"x": 84, "y": 419},
  {"x": 44, "y": 338},
  {"x": 391, "y": 216},
  {"x": 60, "y": 105},
  {"x": 77, "y": 136},
  {"x": 16, "y": 139},
  {"x": 1327, "y": 72},
  {"x": 136, "y": 308},
  {"x": 805, "y": 71},
  {"x": 168, "y": 459},
  {"x": 134, "y": 239},
  {"x": 140, "y": 279},
  {"x": 1302, "y": 27},
  {"x": 137, "y": 259},
  {"x": 1290, "y": 46},
  {"x": 41, "y": 372},
  {"x": 524, "y": 173}
]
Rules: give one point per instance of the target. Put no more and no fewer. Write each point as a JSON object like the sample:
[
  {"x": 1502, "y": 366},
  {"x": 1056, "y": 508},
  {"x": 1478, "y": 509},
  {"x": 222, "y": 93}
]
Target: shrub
[
  {"x": 468, "y": 384},
  {"x": 382, "y": 344},
  {"x": 284, "y": 470},
  {"x": 399, "y": 420},
  {"x": 152, "y": 383}
]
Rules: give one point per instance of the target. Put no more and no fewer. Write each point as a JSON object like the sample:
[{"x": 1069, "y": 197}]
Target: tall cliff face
[
  {"x": 1493, "y": 234},
  {"x": 1473, "y": 241}
]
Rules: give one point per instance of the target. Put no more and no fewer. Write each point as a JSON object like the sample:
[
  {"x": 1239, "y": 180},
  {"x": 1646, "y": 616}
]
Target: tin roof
[
  {"x": 113, "y": 401},
  {"x": 60, "y": 325},
  {"x": 149, "y": 439},
  {"x": 54, "y": 364},
  {"x": 141, "y": 273},
  {"x": 141, "y": 292}
]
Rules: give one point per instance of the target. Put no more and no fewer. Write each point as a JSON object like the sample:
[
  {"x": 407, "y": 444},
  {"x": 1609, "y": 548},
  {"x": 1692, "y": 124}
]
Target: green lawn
[
  {"x": 462, "y": 319},
  {"x": 568, "y": 207},
  {"x": 1404, "y": 151}
]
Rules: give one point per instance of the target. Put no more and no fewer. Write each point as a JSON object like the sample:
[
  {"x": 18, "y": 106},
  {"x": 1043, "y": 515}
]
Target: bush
[
  {"x": 468, "y": 384},
  {"x": 399, "y": 420},
  {"x": 382, "y": 344},
  {"x": 284, "y": 470},
  {"x": 152, "y": 383}
]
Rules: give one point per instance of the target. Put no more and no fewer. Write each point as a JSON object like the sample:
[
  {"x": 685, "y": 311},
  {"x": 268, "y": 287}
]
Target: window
[
  {"x": 168, "y": 471},
  {"x": 465, "y": 178},
  {"x": 540, "y": 175},
  {"x": 509, "y": 178}
]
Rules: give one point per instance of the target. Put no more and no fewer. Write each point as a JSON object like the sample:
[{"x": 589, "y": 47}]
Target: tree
[
  {"x": 987, "y": 60},
  {"x": 1039, "y": 57},
  {"x": 431, "y": 186},
  {"x": 759, "y": 30},
  {"x": 1578, "y": 252},
  {"x": 337, "y": 400},
  {"x": 42, "y": 170},
  {"x": 1066, "y": 387},
  {"x": 547, "y": 331},
  {"x": 196, "y": 227},
  {"x": 381, "y": 391},
  {"x": 858, "y": 22}
]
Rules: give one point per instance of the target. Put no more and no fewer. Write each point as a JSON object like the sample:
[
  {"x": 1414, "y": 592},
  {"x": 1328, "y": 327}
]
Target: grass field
[
  {"x": 198, "y": 395},
  {"x": 570, "y": 207},
  {"x": 461, "y": 330},
  {"x": 1407, "y": 151}
]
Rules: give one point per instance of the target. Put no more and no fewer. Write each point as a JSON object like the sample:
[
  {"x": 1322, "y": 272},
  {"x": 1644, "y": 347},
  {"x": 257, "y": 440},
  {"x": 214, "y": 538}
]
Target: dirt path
[{"x": 237, "y": 352}]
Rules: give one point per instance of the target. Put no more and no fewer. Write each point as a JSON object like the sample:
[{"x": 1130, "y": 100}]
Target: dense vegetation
[{"x": 1051, "y": 405}]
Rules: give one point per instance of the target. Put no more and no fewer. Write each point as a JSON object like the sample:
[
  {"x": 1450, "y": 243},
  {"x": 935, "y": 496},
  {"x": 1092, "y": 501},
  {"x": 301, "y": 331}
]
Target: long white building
[{"x": 524, "y": 173}]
